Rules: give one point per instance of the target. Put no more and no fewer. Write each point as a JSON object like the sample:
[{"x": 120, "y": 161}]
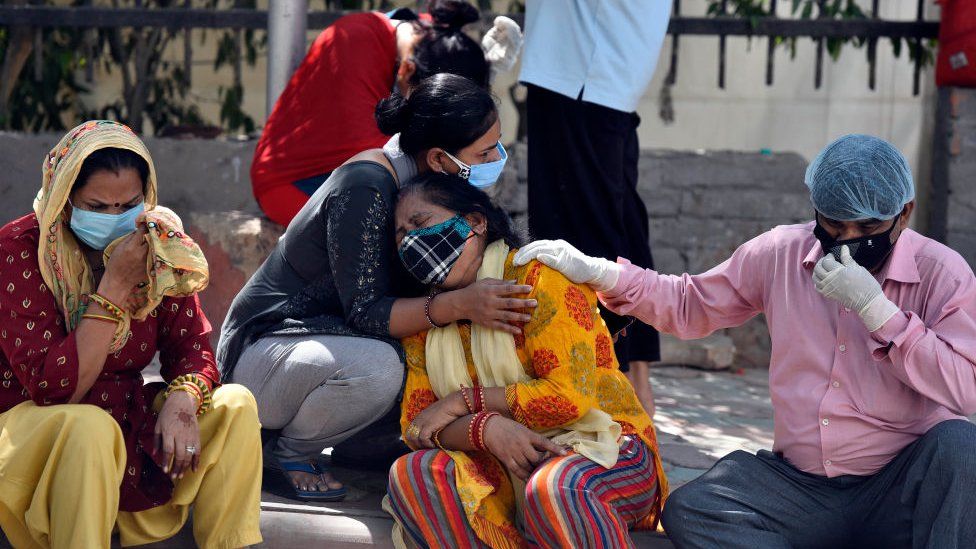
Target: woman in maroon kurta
[{"x": 55, "y": 329}]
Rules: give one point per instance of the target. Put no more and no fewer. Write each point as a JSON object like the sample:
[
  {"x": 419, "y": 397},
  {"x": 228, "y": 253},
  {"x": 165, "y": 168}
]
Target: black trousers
[
  {"x": 924, "y": 498},
  {"x": 582, "y": 171}
]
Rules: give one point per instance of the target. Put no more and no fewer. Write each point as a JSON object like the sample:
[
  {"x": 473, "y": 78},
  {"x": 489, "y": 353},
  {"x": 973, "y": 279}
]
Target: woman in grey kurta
[{"x": 314, "y": 333}]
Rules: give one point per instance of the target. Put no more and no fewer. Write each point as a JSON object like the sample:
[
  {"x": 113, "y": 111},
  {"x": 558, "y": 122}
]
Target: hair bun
[
  {"x": 392, "y": 114},
  {"x": 453, "y": 14}
]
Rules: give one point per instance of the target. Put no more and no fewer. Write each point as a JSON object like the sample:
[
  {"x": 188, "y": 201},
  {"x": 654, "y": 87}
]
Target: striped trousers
[{"x": 570, "y": 501}]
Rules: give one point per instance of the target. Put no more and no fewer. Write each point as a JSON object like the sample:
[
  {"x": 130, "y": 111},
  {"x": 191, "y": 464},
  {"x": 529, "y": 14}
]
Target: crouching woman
[{"x": 92, "y": 285}]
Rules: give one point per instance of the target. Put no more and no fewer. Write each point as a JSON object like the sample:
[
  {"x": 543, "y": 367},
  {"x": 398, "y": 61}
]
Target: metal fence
[{"x": 820, "y": 29}]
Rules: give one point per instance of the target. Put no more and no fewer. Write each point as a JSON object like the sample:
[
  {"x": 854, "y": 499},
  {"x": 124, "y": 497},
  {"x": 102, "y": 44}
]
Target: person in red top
[
  {"x": 325, "y": 114},
  {"x": 86, "y": 446}
]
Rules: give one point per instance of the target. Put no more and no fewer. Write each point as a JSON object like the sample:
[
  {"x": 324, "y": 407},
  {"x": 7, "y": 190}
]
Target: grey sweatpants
[
  {"x": 924, "y": 498},
  {"x": 319, "y": 390}
]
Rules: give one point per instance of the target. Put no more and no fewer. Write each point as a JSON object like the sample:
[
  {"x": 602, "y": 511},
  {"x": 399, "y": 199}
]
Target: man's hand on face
[{"x": 853, "y": 287}]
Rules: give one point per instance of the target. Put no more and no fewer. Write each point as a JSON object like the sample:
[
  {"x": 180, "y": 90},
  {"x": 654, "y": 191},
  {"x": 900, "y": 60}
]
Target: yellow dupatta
[
  {"x": 595, "y": 436},
  {"x": 175, "y": 266}
]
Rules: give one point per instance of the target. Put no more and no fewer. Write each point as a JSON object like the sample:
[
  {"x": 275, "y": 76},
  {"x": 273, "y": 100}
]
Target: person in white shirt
[{"x": 586, "y": 65}]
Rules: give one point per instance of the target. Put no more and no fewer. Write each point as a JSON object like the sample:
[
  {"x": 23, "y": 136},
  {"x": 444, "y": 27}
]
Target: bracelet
[
  {"x": 107, "y": 304},
  {"x": 471, "y": 428},
  {"x": 430, "y": 298},
  {"x": 206, "y": 400},
  {"x": 106, "y": 318},
  {"x": 188, "y": 388},
  {"x": 484, "y": 423},
  {"x": 122, "y": 333},
  {"x": 476, "y": 429},
  {"x": 467, "y": 401},
  {"x": 436, "y": 438},
  {"x": 479, "y": 398}
]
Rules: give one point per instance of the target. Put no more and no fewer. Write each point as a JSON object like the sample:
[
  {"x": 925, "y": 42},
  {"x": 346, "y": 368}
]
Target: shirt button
[
  {"x": 828, "y": 463},
  {"x": 836, "y": 384},
  {"x": 825, "y": 422},
  {"x": 842, "y": 348}
]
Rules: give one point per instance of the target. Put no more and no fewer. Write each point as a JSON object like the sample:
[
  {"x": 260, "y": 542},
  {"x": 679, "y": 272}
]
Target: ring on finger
[{"x": 413, "y": 430}]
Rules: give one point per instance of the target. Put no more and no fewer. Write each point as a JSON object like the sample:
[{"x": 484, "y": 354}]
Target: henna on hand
[{"x": 186, "y": 418}]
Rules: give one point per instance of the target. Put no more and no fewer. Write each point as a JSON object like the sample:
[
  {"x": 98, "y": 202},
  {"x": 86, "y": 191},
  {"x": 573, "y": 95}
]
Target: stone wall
[
  {"x": 195, "y": 175},
  {"x": 701, "y": 206}
]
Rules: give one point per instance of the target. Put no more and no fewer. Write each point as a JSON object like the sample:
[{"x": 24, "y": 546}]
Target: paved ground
[{"x": 701, "y": 416}]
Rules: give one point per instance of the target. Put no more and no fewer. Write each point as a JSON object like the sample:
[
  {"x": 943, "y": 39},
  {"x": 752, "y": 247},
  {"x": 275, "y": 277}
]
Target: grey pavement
[{"x": 703, "y": 415}]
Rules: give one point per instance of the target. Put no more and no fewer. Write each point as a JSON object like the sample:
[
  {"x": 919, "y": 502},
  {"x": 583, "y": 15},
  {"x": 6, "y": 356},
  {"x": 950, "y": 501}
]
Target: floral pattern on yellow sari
[{"x": 567, "y": 350}]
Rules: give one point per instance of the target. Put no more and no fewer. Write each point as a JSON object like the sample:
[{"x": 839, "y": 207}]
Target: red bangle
[
  {"x": 476, "y": 429},
  {"x": 484, "y": 423},
  {"x": 467, "y": 401},
  {"x": 471, "y": 427},
  {"x": 479, "y": 398}
]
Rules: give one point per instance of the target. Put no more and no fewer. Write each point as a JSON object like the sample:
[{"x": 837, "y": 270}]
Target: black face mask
[{"x": 868, "y": 251}]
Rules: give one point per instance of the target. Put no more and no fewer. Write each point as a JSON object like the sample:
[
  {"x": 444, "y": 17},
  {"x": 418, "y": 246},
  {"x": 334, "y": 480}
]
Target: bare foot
[
  {"x": 639, "y": 376},
  {"x": 310, "y": 482}
]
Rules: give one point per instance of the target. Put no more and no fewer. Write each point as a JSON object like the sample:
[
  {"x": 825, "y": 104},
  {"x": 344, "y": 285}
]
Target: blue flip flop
[{"x": 334, "y": 494}]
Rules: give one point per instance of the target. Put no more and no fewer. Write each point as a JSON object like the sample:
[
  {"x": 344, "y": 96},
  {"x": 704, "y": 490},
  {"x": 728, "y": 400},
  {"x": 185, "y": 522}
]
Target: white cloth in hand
[
  {"x": 598, "y": 273},
  {"x": 854, "y": 287}
]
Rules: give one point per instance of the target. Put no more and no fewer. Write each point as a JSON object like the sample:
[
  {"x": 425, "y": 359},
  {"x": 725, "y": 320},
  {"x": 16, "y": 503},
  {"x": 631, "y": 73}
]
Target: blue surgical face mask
[
  {"x": 482, "y": 175},
  {"x": 98, "y": 230}
]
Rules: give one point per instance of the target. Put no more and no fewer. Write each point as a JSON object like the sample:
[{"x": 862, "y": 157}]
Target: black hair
[
  {"x": 113, "y": 160},
  {"x": 455, "y": 194},
  {"x": 443, "y": 47},
  {"x": 445, "y": 110}
]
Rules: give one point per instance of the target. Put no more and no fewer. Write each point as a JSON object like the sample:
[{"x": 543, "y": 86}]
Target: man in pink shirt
[{"x": 872, "y": 374}]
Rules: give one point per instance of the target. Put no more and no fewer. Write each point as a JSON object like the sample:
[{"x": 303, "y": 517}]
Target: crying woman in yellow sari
[{"x": 531, "y": 440}]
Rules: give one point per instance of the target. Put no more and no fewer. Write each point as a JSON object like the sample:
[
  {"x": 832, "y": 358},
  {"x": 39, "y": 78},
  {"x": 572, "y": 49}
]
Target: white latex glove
[
  {"x": 600, "y": 274},
  {"x": 854, "y": 287},
  {"x": 502, "y": 44}
]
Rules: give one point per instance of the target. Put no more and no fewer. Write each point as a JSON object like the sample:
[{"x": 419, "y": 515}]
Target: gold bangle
[
  {"x": 105, "y": 318},
  {"x": 436, "y": 438},
  {"x": 107, "y": 304},
  {"x": 207, "y": 396},
  {"x": 186, "y": 388}
]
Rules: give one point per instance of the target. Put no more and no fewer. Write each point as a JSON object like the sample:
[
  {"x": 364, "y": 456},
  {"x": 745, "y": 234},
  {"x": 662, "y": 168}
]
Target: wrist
[
  {"x": 607, "y": 280},
  {"x": 459, "y": 407},
  {"x": 114, "y": 291},
  {"x": 878, "y": 312},
  {"x": 444, "y": 309},
  {"x": 184, "y": 400}
]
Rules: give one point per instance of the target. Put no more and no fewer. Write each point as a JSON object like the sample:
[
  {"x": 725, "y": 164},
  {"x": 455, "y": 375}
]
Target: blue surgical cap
[{"x": 860, "y": 177}]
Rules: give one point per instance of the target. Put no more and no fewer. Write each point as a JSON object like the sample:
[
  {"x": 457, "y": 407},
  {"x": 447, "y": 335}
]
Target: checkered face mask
[{"x": 429, "y": 253}]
